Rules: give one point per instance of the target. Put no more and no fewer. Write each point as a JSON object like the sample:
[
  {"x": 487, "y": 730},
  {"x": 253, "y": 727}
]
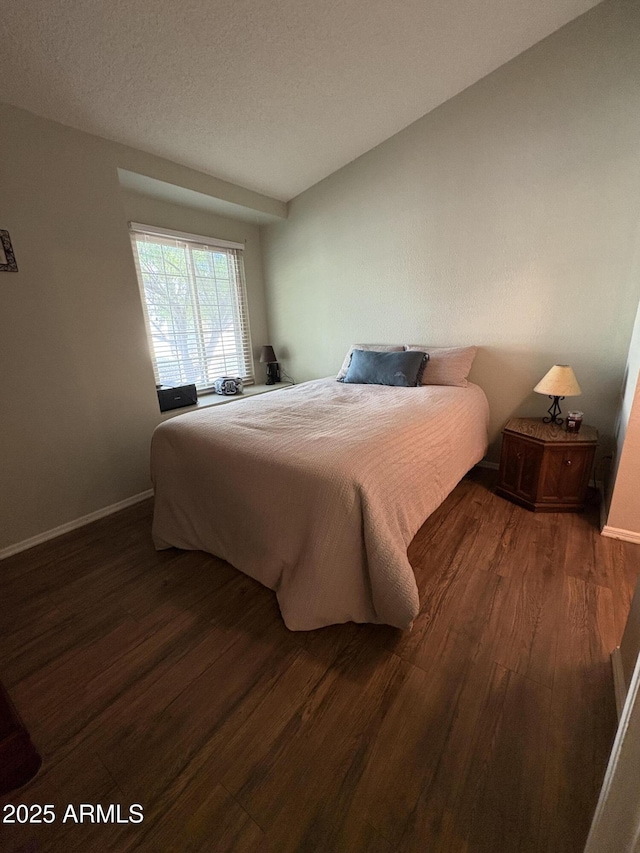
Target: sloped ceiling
[{"x": 273, "y": 96}]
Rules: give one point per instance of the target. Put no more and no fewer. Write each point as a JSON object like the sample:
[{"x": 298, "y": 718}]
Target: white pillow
[
  {"x": 446, "y": 365},
  {"x": 375, "y": 347}
]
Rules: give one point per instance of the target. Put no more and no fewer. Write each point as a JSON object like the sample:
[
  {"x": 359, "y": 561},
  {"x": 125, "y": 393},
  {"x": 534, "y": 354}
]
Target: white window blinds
[{"x": 195, "y": 306}]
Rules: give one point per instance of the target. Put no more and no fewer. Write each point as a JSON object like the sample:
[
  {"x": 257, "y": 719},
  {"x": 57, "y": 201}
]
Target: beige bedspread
[{"x": 317, "y": 490}]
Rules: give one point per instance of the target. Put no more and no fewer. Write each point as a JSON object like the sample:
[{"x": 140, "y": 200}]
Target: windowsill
[{"x": 207, "y": 400}]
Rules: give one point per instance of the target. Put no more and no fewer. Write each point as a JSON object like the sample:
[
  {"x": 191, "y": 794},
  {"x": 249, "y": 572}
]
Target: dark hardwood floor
[{"x": 168, "y": 679}]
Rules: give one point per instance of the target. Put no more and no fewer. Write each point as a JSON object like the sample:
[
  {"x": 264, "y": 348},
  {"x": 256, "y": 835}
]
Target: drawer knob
[{"x": 567, "y": 462}]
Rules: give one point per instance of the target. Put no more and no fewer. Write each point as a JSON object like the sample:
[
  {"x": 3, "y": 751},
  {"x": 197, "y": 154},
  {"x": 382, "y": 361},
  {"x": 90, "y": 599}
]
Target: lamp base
[
  {"x": 273, "y": 373},
  {"x": 554, "y": 410}
]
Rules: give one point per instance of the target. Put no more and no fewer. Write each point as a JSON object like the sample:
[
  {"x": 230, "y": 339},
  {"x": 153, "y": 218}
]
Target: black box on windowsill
[{"x": 176, "y": 398}]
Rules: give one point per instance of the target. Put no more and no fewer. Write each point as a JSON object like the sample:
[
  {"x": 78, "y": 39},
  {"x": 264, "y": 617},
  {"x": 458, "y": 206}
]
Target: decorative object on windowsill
[
  {"x": 268, "y": 357},
  {"x": 228, "y": 385},
  {"x": 177, "y": 397},
  {"x": 7, "y": 258},
  {"x": 558, "y": 383}
]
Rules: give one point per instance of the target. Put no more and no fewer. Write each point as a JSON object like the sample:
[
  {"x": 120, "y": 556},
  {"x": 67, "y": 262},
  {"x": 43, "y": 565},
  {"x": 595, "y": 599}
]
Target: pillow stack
[{"x": 385, "y": 364}]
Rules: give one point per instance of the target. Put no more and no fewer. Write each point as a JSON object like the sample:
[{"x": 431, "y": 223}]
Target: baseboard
[
  {"x": 621, "y": 533},
  {"x": 486, "y": 464},
  {"x": 619, "y": 686},
  {"x": 73, "y": 525}
]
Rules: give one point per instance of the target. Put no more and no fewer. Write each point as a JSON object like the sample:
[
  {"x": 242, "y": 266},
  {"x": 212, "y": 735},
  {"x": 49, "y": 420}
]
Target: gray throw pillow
[{"x": 386, "y": 368}]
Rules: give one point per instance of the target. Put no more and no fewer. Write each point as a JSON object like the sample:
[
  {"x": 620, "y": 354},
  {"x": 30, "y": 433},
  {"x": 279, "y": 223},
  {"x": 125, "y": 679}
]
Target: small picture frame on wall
[{"x": 7, "y": 258}]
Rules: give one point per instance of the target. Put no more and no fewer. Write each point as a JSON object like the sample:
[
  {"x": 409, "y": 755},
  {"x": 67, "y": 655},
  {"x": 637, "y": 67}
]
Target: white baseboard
[
  {"x": 621, "y": 533},
  {"x": 73, "y": 525},
  {"x": 618, "y": 680}
]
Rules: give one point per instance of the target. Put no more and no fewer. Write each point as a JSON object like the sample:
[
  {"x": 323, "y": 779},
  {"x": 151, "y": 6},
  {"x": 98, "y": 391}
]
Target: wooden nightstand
[{"x": 544, "y": 467}]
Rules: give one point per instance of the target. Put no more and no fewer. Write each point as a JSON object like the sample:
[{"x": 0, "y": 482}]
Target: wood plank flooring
[{"x": 168, "y": 679}]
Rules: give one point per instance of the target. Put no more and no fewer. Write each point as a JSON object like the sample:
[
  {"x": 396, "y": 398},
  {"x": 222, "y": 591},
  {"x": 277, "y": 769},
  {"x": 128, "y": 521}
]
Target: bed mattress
[{"x": 316, "y": 491}]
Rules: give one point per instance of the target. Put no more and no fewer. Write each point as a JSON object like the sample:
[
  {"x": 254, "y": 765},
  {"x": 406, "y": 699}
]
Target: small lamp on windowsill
[
  {"x": 558, "y": 383},
  {"x": 268, "y": 357}
]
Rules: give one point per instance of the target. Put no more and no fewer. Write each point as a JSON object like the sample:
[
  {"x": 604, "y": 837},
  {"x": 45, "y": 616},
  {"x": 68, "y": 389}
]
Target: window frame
[{"x": 241, "y": 324}]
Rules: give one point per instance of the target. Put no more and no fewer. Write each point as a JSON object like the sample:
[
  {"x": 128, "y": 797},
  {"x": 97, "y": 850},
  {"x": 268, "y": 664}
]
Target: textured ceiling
[{"x": 273, "y": 96}]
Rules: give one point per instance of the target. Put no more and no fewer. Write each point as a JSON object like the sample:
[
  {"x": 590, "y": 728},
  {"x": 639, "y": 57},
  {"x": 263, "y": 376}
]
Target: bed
[{"x": 316, "y": 491}]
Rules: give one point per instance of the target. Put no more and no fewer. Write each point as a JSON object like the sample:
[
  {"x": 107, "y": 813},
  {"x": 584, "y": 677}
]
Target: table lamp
[
  {"x": 268, "y": 357},
  {"x": 558, "y": 383}
]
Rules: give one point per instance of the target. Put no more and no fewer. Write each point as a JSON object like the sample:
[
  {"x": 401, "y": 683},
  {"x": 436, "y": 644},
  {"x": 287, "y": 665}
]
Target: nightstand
[{"x": 545, "y": 468}]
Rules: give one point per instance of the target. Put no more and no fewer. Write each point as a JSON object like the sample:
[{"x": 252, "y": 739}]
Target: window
[{"x": 195, "y": 306}]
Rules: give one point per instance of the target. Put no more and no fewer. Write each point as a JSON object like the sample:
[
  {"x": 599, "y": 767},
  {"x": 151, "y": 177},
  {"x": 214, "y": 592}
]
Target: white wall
[
  {"x": 505, "y": 218},
  {"x": 624, "y": 506},
  {"x": 79, "y": 401}
]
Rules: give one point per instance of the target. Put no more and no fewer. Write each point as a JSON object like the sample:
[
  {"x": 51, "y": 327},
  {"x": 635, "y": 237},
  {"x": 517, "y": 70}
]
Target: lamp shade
[
  {"x": 560, "y": 381},
  {"x": 268, "y": 355}
]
